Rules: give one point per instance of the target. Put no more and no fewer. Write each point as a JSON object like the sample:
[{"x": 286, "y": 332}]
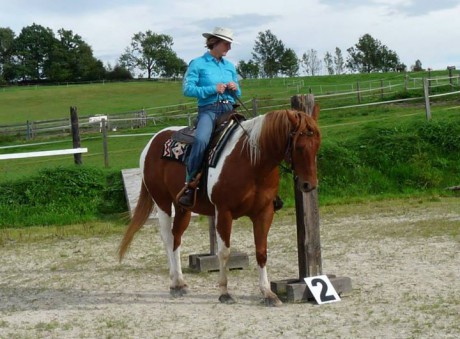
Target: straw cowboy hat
[{"x": 221, "y": 33}]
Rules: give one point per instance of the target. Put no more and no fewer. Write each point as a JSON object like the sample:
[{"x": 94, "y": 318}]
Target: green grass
[
  {"x": 20, "y": 104},
  {"x": 368, "y": 153},
  {"x": 32, "y": 103}
]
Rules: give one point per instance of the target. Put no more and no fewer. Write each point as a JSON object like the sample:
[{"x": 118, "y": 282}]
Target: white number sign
[{"x": 322, "y": 289}]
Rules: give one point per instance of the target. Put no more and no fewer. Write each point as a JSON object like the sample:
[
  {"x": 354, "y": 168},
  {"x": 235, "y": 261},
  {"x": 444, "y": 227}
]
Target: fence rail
[
  {"x": 332, "y": 97},
  {"x": 42, "y": 153}
]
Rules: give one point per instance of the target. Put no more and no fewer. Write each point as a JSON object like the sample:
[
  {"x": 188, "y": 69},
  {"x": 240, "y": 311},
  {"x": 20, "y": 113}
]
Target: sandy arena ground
[{"x": 406, "y": 281}]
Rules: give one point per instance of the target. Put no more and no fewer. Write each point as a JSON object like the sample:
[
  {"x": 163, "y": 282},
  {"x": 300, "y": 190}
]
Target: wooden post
[
  {"x": 209, "y": 262},
  {"x": 451, "y": 80},
  {"x": 29, "y": 131},
  {"x": 104, "y": 142},
  {"x": 308, "y": 235},
  {"x": 429, "y": 81},
  {"x": 307, "y": 214},
  {"x": 75, "y": 134},
  {"x": 426, "y": 92},
  {"x": 212, "y": 236},
  {"x": 358, "y": 91},
  {"x": 381, "y": 89},
  {"x": 254, "y": 107}
]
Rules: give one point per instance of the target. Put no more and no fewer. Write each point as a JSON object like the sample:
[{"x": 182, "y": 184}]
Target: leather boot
[{"x": 187, "y": 195}]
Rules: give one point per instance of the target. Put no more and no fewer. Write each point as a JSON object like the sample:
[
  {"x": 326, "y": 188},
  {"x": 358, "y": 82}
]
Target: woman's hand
[
  {"x": 232, "y": 86},
  {"x": 220, "y": 88}
]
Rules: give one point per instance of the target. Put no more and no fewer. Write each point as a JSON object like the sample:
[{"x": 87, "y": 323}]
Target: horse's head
[{"x": 305, "y": 139}]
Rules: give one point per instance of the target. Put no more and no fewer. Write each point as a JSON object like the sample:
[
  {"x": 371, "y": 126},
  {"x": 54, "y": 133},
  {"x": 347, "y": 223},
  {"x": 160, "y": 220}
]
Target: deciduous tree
[
  {"x": 329, "y": 63},
  {"x": 72, "y": 59},
  {"x": 311, "y": 63},
  {"x": 34, "y": 46},
  {"x": 152, "y": 53},
  {"x": 338, "y": 61},
  {"x": 370, "y": 55},
  {"x": 289, "y": 63},
  {"x": 248, "y": 69},
  {"x": 268, "y": 53},
  {"x": 7, "y": 69}
]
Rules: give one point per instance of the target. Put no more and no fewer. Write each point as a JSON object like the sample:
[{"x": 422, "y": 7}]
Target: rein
[{"x": 293, "y": 135}]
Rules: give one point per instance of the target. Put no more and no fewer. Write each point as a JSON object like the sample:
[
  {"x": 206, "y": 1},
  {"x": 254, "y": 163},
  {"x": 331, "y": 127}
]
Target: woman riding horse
[{"x": 214, "y": 82}]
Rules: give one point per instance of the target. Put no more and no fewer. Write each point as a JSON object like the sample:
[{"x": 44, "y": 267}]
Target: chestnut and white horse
[{"x": 243, "y": 183}]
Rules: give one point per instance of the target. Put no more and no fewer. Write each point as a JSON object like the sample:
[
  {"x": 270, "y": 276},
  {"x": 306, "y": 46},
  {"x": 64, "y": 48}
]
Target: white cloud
[{"x": 420, "y": 29}]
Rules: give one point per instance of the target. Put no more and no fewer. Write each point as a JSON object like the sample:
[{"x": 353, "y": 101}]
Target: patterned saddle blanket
[{"x": 178, "y": 150}]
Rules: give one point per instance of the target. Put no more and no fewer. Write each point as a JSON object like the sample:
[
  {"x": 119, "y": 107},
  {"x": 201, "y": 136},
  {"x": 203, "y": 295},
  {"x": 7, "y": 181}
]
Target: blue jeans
[{"x": 207, "y": 116}]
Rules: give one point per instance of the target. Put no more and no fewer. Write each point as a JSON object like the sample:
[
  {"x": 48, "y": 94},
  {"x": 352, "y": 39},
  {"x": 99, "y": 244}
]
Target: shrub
[{"x": 61, "y": 196}]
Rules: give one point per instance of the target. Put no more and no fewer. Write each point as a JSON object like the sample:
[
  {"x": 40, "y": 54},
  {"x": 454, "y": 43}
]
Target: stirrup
[{"x": 186, "y": 197}]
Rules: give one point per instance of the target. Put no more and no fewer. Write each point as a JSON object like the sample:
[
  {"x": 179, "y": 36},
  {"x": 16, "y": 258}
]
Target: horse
[{"x": 244, "y": 182}]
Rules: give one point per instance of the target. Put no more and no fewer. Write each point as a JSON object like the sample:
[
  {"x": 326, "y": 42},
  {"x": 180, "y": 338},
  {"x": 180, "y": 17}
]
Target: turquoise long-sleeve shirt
[{"x": 202, "y": 76}]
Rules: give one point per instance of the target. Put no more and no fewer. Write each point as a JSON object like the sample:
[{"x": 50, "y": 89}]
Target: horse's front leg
[
  {"x": 171, "y": 237},
  {"x": 261, "y": 226},
  {"x": 224, "y": 229}
]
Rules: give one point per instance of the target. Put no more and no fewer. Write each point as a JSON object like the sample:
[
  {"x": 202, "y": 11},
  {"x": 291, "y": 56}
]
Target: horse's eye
[{"x": 310, "y": 133}]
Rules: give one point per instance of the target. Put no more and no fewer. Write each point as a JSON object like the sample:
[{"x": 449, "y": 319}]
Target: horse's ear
[
  {"x": 315, "y": 113},
  {"x": 292, "y": 116}
]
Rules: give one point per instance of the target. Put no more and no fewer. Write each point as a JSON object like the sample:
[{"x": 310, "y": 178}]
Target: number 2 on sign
[{"x": 322, "y": 289}]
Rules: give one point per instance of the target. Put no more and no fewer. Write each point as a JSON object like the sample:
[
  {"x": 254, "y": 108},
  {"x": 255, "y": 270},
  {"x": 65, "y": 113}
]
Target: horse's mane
[{"x": 270, "y": 132}]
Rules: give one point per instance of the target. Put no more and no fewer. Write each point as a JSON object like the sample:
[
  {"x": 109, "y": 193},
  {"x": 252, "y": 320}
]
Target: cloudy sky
[{"x": 428, "y": 30}]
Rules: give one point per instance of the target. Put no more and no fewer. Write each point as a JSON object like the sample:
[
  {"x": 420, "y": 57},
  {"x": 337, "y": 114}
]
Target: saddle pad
[
  {"x": 178, "y": 151},
  {"x": 175, "y": 150},
  {"x": 214, "y": 153}
]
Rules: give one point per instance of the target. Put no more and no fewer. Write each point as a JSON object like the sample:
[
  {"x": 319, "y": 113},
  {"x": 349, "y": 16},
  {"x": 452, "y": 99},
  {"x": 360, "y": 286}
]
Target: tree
[
  {"x": 34, "y": 46},
  {"x": 310, "y": 62},
  {"x": 72, "y": 59},
  {"x": 338, "y": 61},
  {"x": 289, "y": 63},
  {"x": 171, "y": 65},
  {"x": 369, "y": 55},
  {"x": 329, "y": 63},
  {"x": 389, "y": 60},
  {"x": 7, "y": 68},
  {"x": 151, "y": 52},
  {"x": 118, "y": 73},
  {"x": 268, "y": 53},
  {"x": 418, "y": 66},
  {"x": 248, "y": 69}
]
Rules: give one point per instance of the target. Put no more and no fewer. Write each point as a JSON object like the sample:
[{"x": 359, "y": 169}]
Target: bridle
[{"x": 292, "y": 139}]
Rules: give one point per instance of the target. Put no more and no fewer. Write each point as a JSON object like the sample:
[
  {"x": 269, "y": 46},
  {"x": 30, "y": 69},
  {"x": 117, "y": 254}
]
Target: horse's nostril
[{"x": 307, "y": 187}]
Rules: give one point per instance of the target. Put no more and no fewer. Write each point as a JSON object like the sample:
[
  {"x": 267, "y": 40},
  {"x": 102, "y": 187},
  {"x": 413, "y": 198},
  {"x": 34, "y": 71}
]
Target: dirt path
[{"x": 403, "y": 259}]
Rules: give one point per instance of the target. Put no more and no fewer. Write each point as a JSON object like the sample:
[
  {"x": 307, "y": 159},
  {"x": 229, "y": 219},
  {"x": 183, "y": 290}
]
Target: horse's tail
[{"x": 143, "y": 209}]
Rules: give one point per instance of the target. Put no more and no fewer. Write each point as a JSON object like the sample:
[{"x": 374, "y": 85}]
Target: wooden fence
[{"x": 331, "y": 97}]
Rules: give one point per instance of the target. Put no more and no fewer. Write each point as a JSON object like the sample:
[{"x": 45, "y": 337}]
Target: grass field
[
  {"x": 348, "y": 167},
  {"x": 19, "y": 104}
]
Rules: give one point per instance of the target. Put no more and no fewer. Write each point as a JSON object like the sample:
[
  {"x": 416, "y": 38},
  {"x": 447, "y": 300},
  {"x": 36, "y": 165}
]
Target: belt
[{"x": 223, "y": 102}]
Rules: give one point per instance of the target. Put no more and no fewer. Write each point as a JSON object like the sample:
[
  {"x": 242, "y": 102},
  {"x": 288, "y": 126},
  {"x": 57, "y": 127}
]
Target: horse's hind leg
[{"x": 171, "y": 235}]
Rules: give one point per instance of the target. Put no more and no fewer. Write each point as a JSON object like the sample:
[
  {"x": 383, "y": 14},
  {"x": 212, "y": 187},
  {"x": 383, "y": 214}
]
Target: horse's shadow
[{"x": 18, "y": 299}]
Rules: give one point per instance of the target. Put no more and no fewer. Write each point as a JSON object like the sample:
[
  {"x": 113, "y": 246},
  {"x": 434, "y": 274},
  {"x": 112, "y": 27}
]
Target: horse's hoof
[
  {"x": 178, "y": 291},
  {"x": 273, "y": 302},
  {"x": 226, "y": 299}
]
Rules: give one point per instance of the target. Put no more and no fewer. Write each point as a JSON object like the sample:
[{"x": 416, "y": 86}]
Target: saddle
[
  {"x": 178, "y": 146},
  {"x": 186, "y": 135}
]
